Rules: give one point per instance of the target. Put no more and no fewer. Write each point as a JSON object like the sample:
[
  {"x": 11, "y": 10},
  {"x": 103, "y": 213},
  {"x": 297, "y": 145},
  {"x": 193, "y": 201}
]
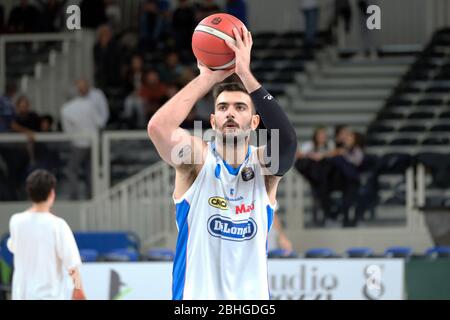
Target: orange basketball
[{"x": 208, "y": 40}]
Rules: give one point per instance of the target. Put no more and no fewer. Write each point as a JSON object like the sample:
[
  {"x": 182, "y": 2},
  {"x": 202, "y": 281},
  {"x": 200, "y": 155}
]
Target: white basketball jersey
[{"x": 223, "y": 221}]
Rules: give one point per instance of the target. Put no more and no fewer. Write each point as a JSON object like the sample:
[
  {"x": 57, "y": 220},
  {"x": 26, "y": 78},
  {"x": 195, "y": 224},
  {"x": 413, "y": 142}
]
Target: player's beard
[{"x": 231, "y": 139}]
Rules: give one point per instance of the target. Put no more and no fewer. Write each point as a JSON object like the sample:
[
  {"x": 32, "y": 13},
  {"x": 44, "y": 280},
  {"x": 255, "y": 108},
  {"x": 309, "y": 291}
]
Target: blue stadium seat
[
  {"x": 88, "y": 255},
  {"x": 160, "y": 254},
  {"x": 398, "y": 252},
  {"x": 110, "y": 245},
  {"x": 360, "y": 252},
  {"x": 281, "y": 254},
  {"x": 130, "y": 255},
  {"x": 438, "y": 252},
  {"x": 320, "y": 253}
]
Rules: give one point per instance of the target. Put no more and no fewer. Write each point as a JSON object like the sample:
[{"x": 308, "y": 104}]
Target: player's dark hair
[
  {"x": 39, "y": 185},
  {"x": 232, "y": 83}
]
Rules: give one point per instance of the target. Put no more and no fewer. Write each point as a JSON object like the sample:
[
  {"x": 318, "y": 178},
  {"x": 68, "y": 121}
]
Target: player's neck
[
  {"x": 233, "y": 154},
  {"x": 40, "y": 207}
]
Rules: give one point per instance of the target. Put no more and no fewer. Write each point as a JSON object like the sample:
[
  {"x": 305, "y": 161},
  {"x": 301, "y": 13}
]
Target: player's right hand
[{"x": 213, "y": 76}]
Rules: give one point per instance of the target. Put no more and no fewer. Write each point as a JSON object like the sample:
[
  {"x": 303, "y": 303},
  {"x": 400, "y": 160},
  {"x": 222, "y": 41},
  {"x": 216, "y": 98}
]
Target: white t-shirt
[{"x": 44, "y": 250}]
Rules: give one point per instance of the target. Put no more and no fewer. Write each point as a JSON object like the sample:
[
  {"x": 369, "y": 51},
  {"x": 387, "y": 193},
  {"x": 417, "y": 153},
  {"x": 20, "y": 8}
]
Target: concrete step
[
  {"x": 366, "y": 72},
  {"x": 331, "y": 119},
  {"x": 350, "y": 83},
  {"x": 338, "y": 106},
  {"x": 345, "y": 93}
]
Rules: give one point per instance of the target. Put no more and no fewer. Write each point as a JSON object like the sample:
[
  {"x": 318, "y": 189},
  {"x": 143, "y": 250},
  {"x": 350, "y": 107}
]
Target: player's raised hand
[
  {"x": 213, "y": 76},
  {"x": 242, "y": 49}
]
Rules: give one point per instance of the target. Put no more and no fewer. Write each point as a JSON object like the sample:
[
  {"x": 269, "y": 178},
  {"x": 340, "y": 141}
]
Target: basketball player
[
  {"x": 44, "y": 247},
  {"x": 224, "y": 192}
]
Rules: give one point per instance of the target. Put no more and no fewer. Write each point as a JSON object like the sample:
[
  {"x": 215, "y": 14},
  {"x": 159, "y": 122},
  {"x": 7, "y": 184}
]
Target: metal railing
[
  {"x": 142, "y": 204},
  {"x": 61, "y": 137}
]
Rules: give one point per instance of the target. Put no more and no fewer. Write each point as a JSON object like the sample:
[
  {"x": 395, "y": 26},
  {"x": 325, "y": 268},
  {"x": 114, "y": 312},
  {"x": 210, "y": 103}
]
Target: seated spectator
[
  {"x": 46, "y": 123},
  {"x": 134, "y": 114},
  {"x": 15, "y": 156},
  {"x": 345, "y": 177},
  {"x": 23, "y": 18},
  {"x": 106, "y": 58},
  {"x": 93, "y": 13},
  {"x": 237, "y": 8},
  {"x": 183, "y": 25},
  {"x": 206, "y": 8},
  {"x": 312, "y": 164},
  {"x": 153, "y": 91},
  {"x": 25, "y": 117},
  {"x": 134, "y": 74},
  {"x": 172, "y": 70}
]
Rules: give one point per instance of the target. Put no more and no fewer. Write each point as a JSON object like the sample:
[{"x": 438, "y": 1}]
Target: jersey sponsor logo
[
  {"x": 243, "y": 208},
  {"x": 226, "y": 229},
  {"x": 234, "y": 199},
  {"x": 218, "y": 202}
]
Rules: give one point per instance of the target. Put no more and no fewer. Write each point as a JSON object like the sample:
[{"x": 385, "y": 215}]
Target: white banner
[{"x": 332, "y": 279}]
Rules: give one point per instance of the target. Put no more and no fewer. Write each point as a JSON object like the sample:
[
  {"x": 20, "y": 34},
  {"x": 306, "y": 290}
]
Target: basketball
[{"x": 208, "y": 40}]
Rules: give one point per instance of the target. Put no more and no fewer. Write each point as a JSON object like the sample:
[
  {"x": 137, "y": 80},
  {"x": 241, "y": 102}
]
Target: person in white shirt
[
  {"x": 44, "y": 247},
  {"x": 86, "y": 113}
]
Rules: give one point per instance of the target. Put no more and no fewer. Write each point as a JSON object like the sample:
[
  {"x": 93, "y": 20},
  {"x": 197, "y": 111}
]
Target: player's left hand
[{"x": 242, "y": 49}]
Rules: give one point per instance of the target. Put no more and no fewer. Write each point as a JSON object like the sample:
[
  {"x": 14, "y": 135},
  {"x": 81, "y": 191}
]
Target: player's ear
[
  {"x": 212, "y": 121},
  {"x": 255, "y": 121}
]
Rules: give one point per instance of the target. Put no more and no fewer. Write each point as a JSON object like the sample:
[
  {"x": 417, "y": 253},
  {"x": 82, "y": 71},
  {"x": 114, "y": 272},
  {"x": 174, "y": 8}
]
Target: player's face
[{"x": 233, "y": 114}]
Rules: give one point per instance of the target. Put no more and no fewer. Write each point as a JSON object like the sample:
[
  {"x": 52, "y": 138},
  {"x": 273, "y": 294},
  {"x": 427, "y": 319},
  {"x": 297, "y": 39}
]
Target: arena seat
[
  {"x": 359, "y": 252},
  {"x": 110, "y": 245},
  {"x": 398, "y": 252},
  {"x": 160, "y": 254},
  {"x": 320, "y": 253},
  {"x": 438, "y": 252},
  {"x": 88, "y": 255}
]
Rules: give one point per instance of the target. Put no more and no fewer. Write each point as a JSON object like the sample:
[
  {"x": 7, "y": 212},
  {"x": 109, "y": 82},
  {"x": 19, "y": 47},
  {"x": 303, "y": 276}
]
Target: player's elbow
[{"x": 154, "y": 128}]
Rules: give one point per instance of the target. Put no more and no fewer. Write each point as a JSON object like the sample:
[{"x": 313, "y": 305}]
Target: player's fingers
[
  {"x": 250, "y": 38},
  {"x": 238, "y": 38},
  {"x": 231, "y": 45},
  {"x": 244, "y": 36}
]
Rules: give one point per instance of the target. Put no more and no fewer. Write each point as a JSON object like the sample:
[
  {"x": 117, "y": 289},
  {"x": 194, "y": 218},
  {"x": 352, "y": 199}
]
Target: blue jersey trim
[
  {"x": 269, "y": 217},
  {"x": 179, "y": 264}
]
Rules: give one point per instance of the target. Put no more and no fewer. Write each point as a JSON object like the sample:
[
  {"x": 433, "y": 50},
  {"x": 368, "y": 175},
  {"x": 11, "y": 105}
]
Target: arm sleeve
[
  {"x": 67, "y": 247},
  {"x": 274, "y": 118}
]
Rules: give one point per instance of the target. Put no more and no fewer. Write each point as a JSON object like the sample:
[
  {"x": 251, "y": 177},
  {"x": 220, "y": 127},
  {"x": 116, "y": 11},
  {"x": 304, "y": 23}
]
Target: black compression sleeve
[{"x": 274, "y": 117}]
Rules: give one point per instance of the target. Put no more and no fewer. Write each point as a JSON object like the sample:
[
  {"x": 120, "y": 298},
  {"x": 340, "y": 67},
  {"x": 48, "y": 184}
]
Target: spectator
[
  {"x": 93, "y": 13},
  {"x": 2, "y": 19},
  {"x": 23, "y": 18},
  {"x": 51, "y": 11},
  {"x": 313, "y": 164},
  {"x": 172, "y": 70},
  {"x": 238, "y": 8},
  {"x": 16, "y": 157},
  {"x": 340, "y": 134},
  {"x": 367, "y": 41},
  {"x": 206, "y": 8},
  {"x": 183, "y": 24},
  {"x": 107, "y": 59},
  {"x": 134, "y": 74},
  {"x": 310, "y": 9},
  {"x": 150, "y": 25},
  {"x": 113, "y": 14},
  {"x": 99, "y": 102},
  {"x": 153, "y": 91},
  {"x": 46, "y": 123},
  {"x": 134, "y": 115},
  {"x": 24, "y": 116},
  {"x": 80, "y": 116}
]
